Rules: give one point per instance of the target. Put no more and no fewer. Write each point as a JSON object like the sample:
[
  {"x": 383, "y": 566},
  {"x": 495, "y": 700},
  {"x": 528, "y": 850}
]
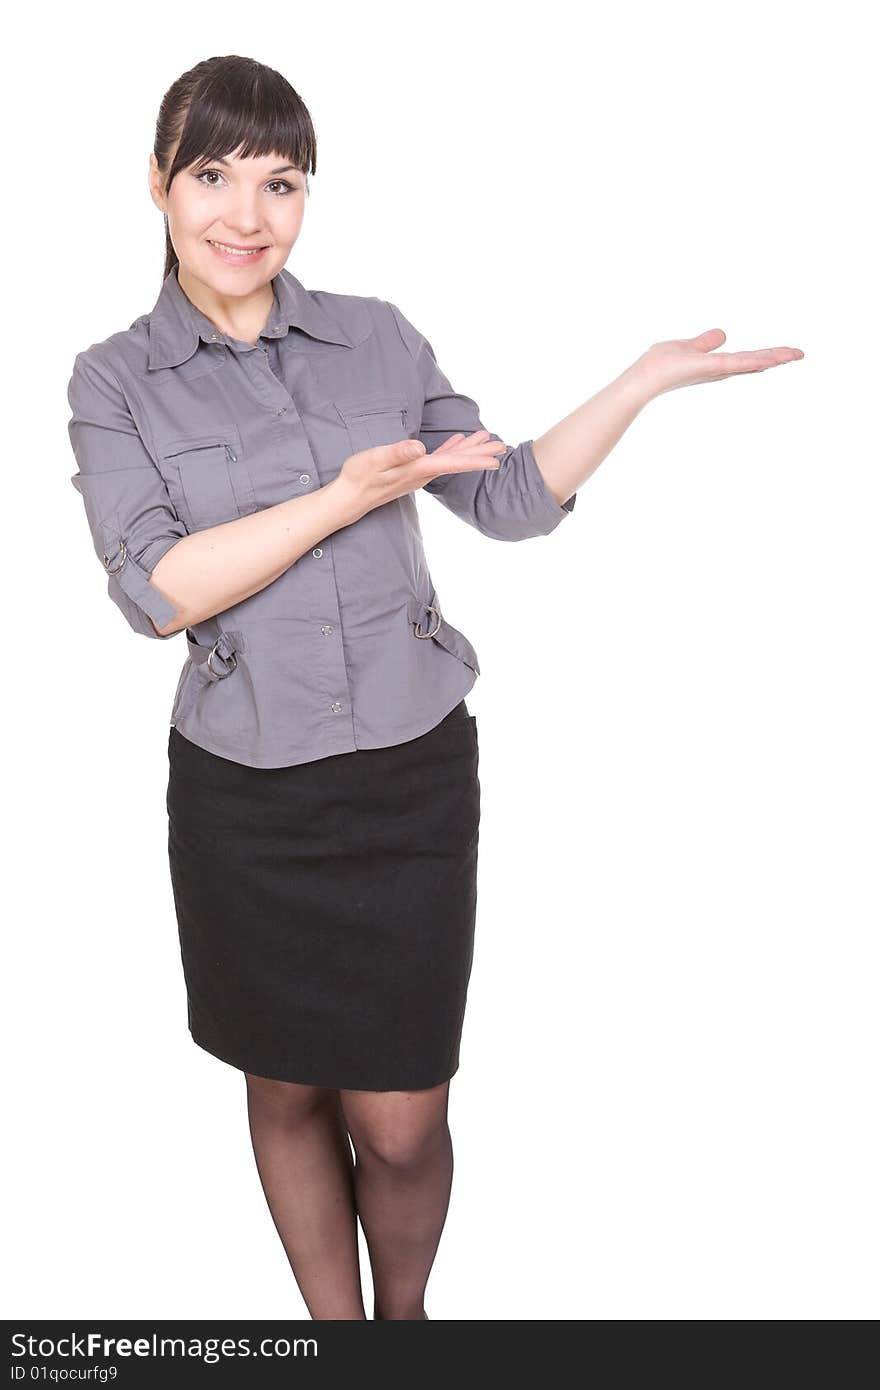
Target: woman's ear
[{"x": 155, "y": 179}]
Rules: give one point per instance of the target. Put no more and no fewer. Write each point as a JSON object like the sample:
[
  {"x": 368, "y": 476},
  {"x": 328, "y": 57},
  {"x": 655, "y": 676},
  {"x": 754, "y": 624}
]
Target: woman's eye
[{"x": 279, "y": 183}]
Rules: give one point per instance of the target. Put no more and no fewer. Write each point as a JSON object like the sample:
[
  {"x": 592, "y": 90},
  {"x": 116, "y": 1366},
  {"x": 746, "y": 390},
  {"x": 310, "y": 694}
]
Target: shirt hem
[{"x": 240, "y": 755}]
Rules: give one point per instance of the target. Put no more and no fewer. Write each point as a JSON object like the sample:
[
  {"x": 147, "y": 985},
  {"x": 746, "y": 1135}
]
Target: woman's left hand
[{"x": 686, "y": 361}]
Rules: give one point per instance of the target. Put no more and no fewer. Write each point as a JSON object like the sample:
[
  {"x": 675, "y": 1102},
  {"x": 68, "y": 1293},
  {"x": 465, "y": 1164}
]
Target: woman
[{"x": 248, "y": 457}]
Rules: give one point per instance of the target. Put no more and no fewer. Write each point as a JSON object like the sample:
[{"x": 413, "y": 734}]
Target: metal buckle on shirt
[
  {"x": 224, "y": 649},
  {"x": 228, "y": 656},
  {"x": 108, "y": 559},
  {"x": 429, "y": 608},
  {"x": 201, "y": 669}
]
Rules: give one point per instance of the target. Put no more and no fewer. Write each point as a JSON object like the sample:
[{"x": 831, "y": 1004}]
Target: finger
[
  {"x": 736, "y": 363},
  {"x": 492, "y": 446},
  {"x": 460, "y": 461},
  {"x": 708, "y": 341},
  {"x": 456, "y": 438},
  {"x": 448, "y": 443},
  {"x": 466, "y": 464},
  {"x": 773, "y": 357}
]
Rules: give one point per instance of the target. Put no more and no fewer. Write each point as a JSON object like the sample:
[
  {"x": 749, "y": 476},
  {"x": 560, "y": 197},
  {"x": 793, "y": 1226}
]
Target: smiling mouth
[{"x": 236, "y": 250}]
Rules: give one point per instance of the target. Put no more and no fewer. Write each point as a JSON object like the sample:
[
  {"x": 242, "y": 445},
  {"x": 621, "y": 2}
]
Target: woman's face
[{"x": 237, "y": 203}]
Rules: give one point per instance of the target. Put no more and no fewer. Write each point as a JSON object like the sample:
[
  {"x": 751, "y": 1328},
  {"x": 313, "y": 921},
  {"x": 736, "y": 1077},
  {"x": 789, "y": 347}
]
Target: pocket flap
[
  {"x": 381, "y": 403},
  {"x": 172, "y": 448}
]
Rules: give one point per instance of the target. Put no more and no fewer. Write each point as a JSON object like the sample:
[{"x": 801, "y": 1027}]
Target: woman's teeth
[{"x": 234, "y": 251}]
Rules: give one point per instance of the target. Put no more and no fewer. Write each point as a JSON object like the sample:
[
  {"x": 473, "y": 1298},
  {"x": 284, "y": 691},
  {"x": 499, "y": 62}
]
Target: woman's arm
[
  {"x": 209, "y": 571},
  {"x": 164, "y": 579},
  {"x": 573, "y": 449},
  {"x": 512, "y": 503}
]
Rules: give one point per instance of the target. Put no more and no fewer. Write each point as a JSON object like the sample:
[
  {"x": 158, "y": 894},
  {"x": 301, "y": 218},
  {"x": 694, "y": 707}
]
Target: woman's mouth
[{"x": 235, "y": 256}]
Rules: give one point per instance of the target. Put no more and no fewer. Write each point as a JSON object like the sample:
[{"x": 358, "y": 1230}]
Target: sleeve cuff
[
  {"x": 547, "y": 508},
  {"x": 134, "y": 580}
]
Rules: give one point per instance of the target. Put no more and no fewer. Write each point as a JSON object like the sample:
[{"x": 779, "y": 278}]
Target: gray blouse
[{"x": 177, "y": 427}]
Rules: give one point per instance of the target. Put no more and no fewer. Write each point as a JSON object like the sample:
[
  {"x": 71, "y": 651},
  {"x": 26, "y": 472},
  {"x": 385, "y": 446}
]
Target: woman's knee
[{"x": 397, "y": 1129}]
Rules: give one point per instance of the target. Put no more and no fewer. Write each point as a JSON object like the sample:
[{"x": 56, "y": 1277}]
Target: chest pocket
[
  {"x": 376, "y": 419},
  {"x": 207, "y": 477}
]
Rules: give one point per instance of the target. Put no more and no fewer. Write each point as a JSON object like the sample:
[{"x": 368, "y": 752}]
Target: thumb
[
  {"x": 706, "y": 342},
  {"x": 409, "y": 448}
]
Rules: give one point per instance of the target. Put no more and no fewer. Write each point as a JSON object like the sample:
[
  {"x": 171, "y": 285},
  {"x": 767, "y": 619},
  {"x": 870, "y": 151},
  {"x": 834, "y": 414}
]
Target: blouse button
[
  {"x": 318, "y": 553},
  {"x": 304, "y": 478},
  {"x": 336, "y": 707},
  {"x": 327, "y": 629}
]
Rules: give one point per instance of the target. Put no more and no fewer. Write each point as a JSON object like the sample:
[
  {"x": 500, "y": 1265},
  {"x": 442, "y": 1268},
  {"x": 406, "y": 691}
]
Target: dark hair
[{"x": 228, "y": 105}]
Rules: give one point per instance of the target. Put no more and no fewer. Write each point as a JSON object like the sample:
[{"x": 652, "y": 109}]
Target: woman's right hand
[{"x": 375, "y": 476}]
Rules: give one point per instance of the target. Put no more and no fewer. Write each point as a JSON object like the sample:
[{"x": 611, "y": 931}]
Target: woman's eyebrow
[{"x": 282, "y": 168}]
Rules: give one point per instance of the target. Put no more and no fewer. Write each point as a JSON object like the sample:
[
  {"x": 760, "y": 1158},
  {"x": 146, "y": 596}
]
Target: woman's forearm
[
  {"x": 569, "y": 452},
  {"x": 209, "y": 571},
  {"x": 573, "y": 449}
]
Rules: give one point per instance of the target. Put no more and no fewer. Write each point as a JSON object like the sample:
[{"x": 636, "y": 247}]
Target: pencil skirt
[{"x": 326, "y": 911}]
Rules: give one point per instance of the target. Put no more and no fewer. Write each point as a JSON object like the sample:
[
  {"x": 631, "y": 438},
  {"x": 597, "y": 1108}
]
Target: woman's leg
[
  {"x": 403, "y": 1179},
  {"x": 304, "y": 1159}
]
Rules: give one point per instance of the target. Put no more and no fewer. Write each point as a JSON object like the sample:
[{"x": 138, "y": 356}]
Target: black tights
[{"x": 398, "y": 1182}]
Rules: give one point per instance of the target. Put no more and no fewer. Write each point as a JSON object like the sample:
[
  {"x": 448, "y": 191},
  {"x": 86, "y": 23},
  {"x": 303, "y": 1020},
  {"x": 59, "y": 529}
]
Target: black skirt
[{"x": 326, "y": 911}]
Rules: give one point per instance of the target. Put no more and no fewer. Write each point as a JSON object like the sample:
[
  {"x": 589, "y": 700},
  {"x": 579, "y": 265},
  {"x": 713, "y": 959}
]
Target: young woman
[{"x": 248, "y": 456}]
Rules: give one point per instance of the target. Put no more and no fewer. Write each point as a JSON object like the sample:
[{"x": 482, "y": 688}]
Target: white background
[{"x": 667, "y": 1100}]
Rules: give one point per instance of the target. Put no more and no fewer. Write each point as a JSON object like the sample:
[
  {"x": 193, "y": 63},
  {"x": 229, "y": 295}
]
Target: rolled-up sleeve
[
  {"x": 510, "y": 503},
  {"x": 130, "y": 514}
]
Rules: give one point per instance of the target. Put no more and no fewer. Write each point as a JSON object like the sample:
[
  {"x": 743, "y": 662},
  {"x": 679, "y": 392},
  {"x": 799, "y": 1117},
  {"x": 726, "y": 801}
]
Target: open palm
[{"x": 686, "y": 361}]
